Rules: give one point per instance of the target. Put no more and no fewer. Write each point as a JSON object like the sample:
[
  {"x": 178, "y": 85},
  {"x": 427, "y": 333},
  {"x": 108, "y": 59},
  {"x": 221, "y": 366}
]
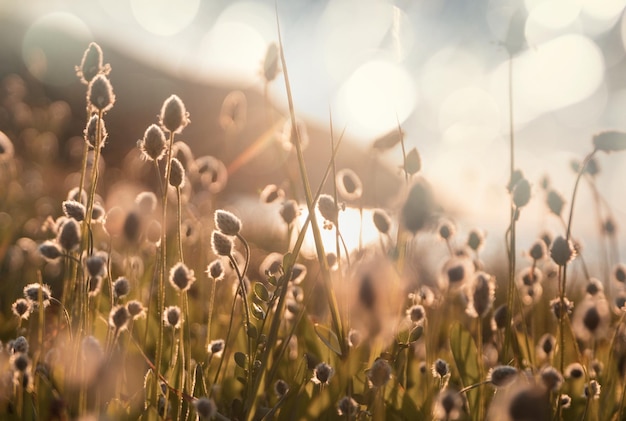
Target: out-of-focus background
[{"x": 439, "y": 68}]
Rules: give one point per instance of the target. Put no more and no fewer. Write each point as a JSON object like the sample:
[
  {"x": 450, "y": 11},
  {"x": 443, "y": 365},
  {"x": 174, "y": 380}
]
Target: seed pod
[
  {"x": 181, "y": 277},
  {"x": 153, "y": 143},
  {"x": 227, "y": 222},
  {"x": 328, "y": 208},
  {"x": 177, "y": 173},
  {"x": 382, "y": 221},
  {"x": 174, "y": 116},
  {"x": 521, "y": 193},
  {"x": 91, "y": 64},
  {"x": 221, "y": 244},
  {"x": 418, "y": 208},
  {"x": 289, "y": 211},
  {"x": 91, "y": 132},
  {"x": 119, "y": 318},
  {"x": 610, "y": 141},
  {"x": 69, "y": 235},
  {"x": 50, "y": 250},
  {"x": 121, "y": 287},
  {"x": 172, "y": 317},
  {"x": 100, "y": 94},
  {"x": 562, "y": 251}
]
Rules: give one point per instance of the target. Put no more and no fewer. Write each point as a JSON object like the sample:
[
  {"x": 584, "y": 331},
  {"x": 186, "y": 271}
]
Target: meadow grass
[{"x": 165, "y": 308}]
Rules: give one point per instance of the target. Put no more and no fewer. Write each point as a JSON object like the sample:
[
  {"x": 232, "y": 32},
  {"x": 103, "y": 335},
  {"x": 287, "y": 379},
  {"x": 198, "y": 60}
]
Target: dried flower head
[
  {"x": 619, "y": 273},
  {"x": 551, "y": 378},
  {"x": 562, "y": 251},
  {"x": 216, "y": 348},
  {"x": 382, "y": 221},
  {"x": 412, "y": 162},
  {"x": 177, "y": 174},
  {"x": 440, "y": 368},
  {"x": 592, "y": 390},
  {"x": 574, "y": 371},
  {"x": 152, "y": 145},
  {"x": 174, "y": 116},
  {"x": 418, "y": 208},
  {"x": 215, "y": 270},
  {"x": 565, "y": 401},
  {"x": 270, "y": 63},
  {"x": 21, "y": 308},
  {"x": 32, "y": 292},
  {"x": 481, "y": 294},
  {"x": 172, "y": 317},
  {"x": 271, "y": 193},
  {"x": 212, "y": 173},
  {"x": 91, "y": 135},
  {"x": 594, "y": 288},
  {"x": 502, "y": 375},
  {"x": 555, "y": 202},
  {"x": 449, "y": 405},
  {"x": 379, "y": 374},
  {"x": 328, "y": 208},
  {"x": 132, "y": 227},
  {"x": 69, "y": 235},
  {"x": 19, "y": 344},
  {"x": 50, "y": 250},
  {"x": 591, "y": 319},
  {"x": 205, "y": 408},
  {"x": 455, "y": 272},
  {"x": 349, "y": 184},
  {"x": 557, "y": 307},
  {"x": 221, "y": 244},
  {"x": 136, "y": 309},
  {"x": 521, "y": 193},
  {"x": 121, "y": 287},
  {"x": 119, "y": 318},
  {"x": 20, "y": 362},
  {"x": 100, "y": 94},
  {"x": 610, "y": 141},
  {"x": 181, "y": 277},
  {"x": 322, "y": 373},
  {"x": 546, "y": 346},
  {"x": 289, "y": 211},
  {"x": 347, "y": 407},
  {"x": 91, "y": 64},
  {"x": 95, "y": 264},
  {"x": 538, "y": 250},
  {"x": 281, "y": 388},
  {"x": 227, "y": 222},
  {"x": 476, "y": 239},
  {"x": 416, "y": 313},
  {"x": 446, "y": 229}
]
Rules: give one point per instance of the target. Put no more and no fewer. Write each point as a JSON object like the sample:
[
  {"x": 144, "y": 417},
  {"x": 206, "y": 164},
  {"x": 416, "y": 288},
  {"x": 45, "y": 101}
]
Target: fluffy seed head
[
  {"x": 328, "y": 208},
  {"x": 347, "y": 407},
  {"x": 100, "y": 93},
  {"x": 221, "y": 244},
  {"x": 551, "y": 378},
  {"x": 50, "y": 250},
  {"x": 592, "y": 390},
  {"x": 521, "y": 193},
  {"x": 289, "y": 211},
  {"x": 379, "y": 374},
  {"x": 216, "y": 270},
  {"x": 121, "y": 287},
  {"x": 281, "y": 388},
  {"x": 136, "y": 309},
  {"x": 557, "y": 307},
  {"x": 172, "y": 317},
  {"x": 95, "y": 264},
  {"x": 21, "y": 308},
  {"x": 446, "y": 229},
  {"x": 152, "y": 145},
  {"x": 270, "y": 63},
  {"x": 227, "y": 222},
  {"x": 481, "y": 294},
  {"x": 619, "y": 273},
  {"x": 382, "y": 221},
  {"x": 91, "y": 132},
  {"x": 538, "y": 250},
  {"x": 91, "y": 64},
  {"x": 271, "y": 193},
  {"x": 501, "y": 375},
  {"x": 177, "y": 173},
  {"x": 20, "y": 344},
  {"x": 69, "y": 235},
  {"x": 132, "y": 227},
  {"x": 119, "y": 318},
  {"x": 205, "y": 408},
  {"x": 440, "y": 368},
  {"x": 610, "y": 141},
  {"x": 181, "y": 277},
  {"x": 322, "y": 373},
  {"x": 475, "y": 239},
  {"x": 555, "y": 202},
  {"x": 216, "y": 347},
  {"x": 349, "y": 184},
  {"x": 32, "y": 291},
  {"x": 174, "y": 116},
  {"x": 418, "y": 208},
  {"x": 562, "y": 251},
  {"x": 574, "y": 371}
]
